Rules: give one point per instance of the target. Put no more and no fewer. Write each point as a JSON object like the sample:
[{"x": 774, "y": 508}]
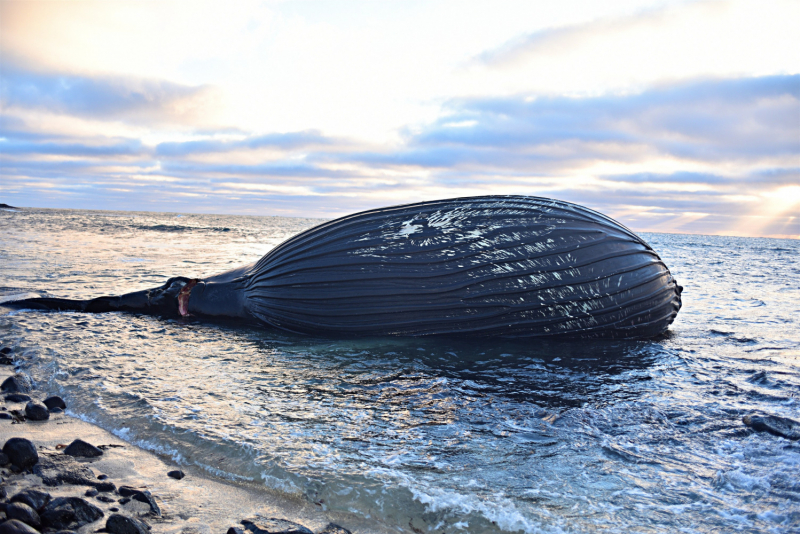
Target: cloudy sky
[{"x": 668, "y": 116}]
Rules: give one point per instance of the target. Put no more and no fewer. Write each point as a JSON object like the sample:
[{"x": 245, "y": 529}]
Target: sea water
[{"x": 428, "y": 435}]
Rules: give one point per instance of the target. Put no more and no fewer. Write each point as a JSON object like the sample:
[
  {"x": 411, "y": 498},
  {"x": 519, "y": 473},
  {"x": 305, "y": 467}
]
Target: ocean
[{"x": 428, "y": 434}]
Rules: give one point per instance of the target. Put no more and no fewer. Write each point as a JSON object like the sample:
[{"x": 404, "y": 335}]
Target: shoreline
[{"x": 198, "y": 503}]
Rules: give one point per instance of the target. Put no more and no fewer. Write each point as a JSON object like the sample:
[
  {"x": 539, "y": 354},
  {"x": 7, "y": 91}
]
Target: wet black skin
[
  {"x": 494, "y": 266},
  {"x": 158, "y": 301}
]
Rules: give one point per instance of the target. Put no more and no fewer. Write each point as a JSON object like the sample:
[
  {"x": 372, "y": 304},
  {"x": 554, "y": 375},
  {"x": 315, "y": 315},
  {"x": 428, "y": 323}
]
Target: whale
[{"x": 486, "y": 266}]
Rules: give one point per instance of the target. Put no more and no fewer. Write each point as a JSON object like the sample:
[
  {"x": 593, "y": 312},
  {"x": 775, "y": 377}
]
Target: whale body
[{"x": 505, "y": 266}]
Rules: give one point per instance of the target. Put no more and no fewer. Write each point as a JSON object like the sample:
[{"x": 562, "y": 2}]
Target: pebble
[
  {"x": 5, "y": 356},
  {"x": 14, "y": 526},
  {"x": 70, "y": 513},
  {"x": 91, "y": 492},
  {"x": 333, "y": 528},
  {"x": 24, "y": 513},
  {"x": 4, "y": 415},
  {"x": 19, "y": 383},
  {"x": 81, "y": 448},
  {"x": 21, "y": 452},
  {"x": 106, "y": 487},
  {"x": 141, "y": 496},
  {"x": 55, "y": 402},
  {"x": 103, "y": 498},
  {"x": 177, "y": 474},
  {"x": 36, "y": 411},
  {"x": 121, "y": 524},
  {"x": 17, "y": 397},
  {"x": 57, "y": 469},
  {"x": 274, "y": 526},
  {"x": 34, "y": 498}
]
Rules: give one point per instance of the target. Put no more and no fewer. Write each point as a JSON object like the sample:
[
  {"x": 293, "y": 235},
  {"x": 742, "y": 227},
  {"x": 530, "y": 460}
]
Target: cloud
[
  {"x": 279, "y": 168},
  {"x": 105, "y": 97},
  {"x": 284, "y": 141},
  {"x": 707, "y": 120},
  {"x": 691, "y": 156},
  {"x": 128, "y": 147},
  {"x": 562, "y": 38},
  {"x": 788, "y": 176}
]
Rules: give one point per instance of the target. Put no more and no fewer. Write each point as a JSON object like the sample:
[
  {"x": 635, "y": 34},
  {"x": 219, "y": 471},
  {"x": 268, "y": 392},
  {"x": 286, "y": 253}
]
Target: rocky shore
[{"x": 59, "y": 474}]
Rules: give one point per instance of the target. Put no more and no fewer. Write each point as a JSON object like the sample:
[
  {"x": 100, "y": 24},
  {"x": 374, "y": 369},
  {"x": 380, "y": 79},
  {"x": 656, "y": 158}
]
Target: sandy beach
[{"x": 197, "y": 503}]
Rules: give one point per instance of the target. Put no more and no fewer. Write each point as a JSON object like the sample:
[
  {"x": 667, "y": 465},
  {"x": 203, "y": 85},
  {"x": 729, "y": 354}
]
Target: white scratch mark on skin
[{"x": 408, "y": 228}]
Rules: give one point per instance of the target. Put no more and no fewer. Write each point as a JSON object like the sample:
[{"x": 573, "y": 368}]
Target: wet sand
[{"x": 198, "y": 503}]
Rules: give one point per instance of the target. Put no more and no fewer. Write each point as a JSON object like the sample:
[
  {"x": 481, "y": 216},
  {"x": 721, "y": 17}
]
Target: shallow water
[{"x": 429, "y": 435}]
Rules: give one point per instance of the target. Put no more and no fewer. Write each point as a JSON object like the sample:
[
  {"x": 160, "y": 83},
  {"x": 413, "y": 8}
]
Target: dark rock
[
  {"x": 106, "y": 487},
  {"x": 19, "y": 383},
  {"x": 235, "y": 530},
  {"x": 274, "y": 526},
  {"x": 33, "y": 498},
  {"x": 57, "y": 469},
  {"x": 333, "y": 528},
  {"x": 102, "y": 477},
  {"x": 779, "y": 426},
  {"x": 55, "y": 402},
  {"x": 4, "y": 458},
  {"x": 127, "y": 491},
  {"x": 65, "y": 532},
  {"x": 17, "y": 397},
  {"x": 36, "y": 411},
  {"x": 22, "y": 512},
  {"x": 6, "y": 350},
  {"x": 4, "y": 415},
  {"x": 3, "y": 493},
  {"x": 70, "y": 513},
  {"x": 14, "y": 526},
  {"x": 121, "y": 524},
  {"x": 91, "y": 492},
  {"x": 6, "y": 360},
  {"x": 56, "y": 410},
  {"x": 21, "y": 452},
  {"x": 104, "y": 498},
  {"x": 124, "y": 500},
  {"x": 81, "y": 448},
  {"x": 141, "y": 496},
  {"x": 114, "y": 509},
  {"x": 177, "y": 474}
]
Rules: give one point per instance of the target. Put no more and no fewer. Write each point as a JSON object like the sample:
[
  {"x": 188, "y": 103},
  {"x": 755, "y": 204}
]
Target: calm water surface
[{"x": 429, "y": 435}]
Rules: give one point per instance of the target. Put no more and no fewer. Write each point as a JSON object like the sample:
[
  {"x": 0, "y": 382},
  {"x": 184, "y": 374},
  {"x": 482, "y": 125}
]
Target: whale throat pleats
[{"x": 483, "y": 266}]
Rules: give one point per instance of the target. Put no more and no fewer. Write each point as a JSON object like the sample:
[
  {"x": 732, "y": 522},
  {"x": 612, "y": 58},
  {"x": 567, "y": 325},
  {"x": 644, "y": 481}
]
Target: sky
[{"x": 667, "y": 116}]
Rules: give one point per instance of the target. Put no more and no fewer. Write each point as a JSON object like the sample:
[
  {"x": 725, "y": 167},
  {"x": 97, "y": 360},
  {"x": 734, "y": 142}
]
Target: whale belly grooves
[{"x": 507, "y": 266}]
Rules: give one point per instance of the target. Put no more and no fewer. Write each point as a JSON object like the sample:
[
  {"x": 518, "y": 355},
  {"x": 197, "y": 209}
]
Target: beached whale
[{"x": 509, "y": 266}]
